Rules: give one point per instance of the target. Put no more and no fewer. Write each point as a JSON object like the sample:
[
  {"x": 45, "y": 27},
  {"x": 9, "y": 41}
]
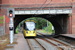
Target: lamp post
[{"x": 47, "y": 26}]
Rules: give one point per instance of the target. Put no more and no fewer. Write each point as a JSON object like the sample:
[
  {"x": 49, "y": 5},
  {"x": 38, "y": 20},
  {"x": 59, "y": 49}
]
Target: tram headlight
[
  {"x": 26, "y": 32},
  {"x": 33, "y": 31}
]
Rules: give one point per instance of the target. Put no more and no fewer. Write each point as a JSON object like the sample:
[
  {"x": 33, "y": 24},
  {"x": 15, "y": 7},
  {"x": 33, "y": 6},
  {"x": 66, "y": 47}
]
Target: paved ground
[
  {"x": 22, "y": 44},
  {"x": 69, "y": 35}
]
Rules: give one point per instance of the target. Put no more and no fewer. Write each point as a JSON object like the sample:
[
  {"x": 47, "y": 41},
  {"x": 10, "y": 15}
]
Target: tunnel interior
[{"x": 59, "y": 21}]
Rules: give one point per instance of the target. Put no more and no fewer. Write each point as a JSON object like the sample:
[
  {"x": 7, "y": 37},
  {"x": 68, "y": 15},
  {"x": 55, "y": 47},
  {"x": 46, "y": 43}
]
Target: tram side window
[{"x": 25, "y": 27}]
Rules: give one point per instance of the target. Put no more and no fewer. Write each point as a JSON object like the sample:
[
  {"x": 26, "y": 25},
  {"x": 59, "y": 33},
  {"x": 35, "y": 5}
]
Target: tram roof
[{"x": 30, "y": 20}]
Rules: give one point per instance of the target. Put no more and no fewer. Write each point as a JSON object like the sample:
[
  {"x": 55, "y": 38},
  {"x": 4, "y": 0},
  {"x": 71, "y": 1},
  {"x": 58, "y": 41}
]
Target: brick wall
[
  {"x": 0, "y": 1},
  {"x": 73, "y": 23},
  {"x": 35, "y": 2},
  {"x": 29, "y": 2},
  {"x": 5, "y": 1},
  {"x": 6, "y": 25},
  {"x": 73, "y": 18},
  {"x": 23, "y": 2},
  {"x": 1, "y": 30}
]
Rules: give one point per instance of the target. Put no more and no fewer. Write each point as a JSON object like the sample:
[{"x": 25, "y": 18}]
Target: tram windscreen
[{"x": 30, "y": 25}]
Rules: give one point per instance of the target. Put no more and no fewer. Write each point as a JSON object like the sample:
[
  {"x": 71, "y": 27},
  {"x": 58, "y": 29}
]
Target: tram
[{"x": 29, "y": 28}]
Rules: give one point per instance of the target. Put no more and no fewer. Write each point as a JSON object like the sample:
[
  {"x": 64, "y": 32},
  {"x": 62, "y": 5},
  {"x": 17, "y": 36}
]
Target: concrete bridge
[{"x": 59, "y": 12}]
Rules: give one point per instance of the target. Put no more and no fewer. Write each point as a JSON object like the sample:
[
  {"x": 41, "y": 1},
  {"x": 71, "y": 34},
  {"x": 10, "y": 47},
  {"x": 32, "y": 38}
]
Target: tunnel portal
[{"x": 59, "y": 21}]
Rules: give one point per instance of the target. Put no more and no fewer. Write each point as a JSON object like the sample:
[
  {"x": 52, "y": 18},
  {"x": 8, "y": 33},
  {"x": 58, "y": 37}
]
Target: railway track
[
  {"x": 38, "y": 44},
  {"x": 42, "y": 42},
  {"x": 34, "y": 44},
  {"x": 56, "y": 43}
]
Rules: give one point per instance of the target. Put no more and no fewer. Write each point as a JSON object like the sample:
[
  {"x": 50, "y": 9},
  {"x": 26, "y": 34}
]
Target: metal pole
[
  {"x": 4, "y": 25},
  {"x": 11, "y": 30},
  {"x": 19, "y": 28},
  {"x": 47, "y": 26}
]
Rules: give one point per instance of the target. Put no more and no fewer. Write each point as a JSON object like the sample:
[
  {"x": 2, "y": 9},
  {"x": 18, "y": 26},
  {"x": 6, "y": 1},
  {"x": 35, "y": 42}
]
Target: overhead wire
[{"x": 42, "y": 5}]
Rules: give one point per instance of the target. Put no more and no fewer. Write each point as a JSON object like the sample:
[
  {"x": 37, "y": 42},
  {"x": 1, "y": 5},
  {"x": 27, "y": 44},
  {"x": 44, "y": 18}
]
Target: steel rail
[
  {"x": 51, "y": 43},
  {"x": 28, "y": 44},
  {"x": 31, "y": 47},
  {"x": 57, "y": 41}
]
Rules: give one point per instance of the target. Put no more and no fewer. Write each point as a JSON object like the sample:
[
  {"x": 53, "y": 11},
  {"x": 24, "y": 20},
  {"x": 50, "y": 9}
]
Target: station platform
[
  {"x": 69, "y": 35},
  {"x": 69, "y": 38},
  {"x": 21, "y": 43}
]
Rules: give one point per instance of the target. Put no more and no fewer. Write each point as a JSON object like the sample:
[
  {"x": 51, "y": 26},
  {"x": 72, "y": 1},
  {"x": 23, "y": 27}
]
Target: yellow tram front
[{"x": 29, "y": 28}]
